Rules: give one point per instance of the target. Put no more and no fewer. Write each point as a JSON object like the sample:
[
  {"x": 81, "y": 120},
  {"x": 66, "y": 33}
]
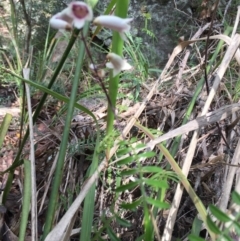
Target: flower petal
[
  {"x": 58, "y": 22},
  {"x": 78, "y": 23},
  {"x": 117, "y": 63},
  {"x": 109, "y": 65},
  {"x": 126, "y": 65},
  {"x": 76, "y": 13},
  {"x": 114, "y": 22}
]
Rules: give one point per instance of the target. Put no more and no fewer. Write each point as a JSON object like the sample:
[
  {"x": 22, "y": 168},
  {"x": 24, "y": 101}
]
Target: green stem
[{"x": 117, "y": 48}]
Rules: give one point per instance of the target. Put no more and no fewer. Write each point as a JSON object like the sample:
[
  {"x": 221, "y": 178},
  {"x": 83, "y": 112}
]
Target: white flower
[
  {"x": 117, "y": 63},
  {"x": 118, "y": 24},
  {"x": 75, "y": 14}
]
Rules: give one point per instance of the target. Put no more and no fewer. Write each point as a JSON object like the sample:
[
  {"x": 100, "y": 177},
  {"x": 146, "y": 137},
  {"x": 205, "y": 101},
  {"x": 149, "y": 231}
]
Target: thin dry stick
[
  {"x": 26, "y": 72},
  {"x": 191, "y": 150}
]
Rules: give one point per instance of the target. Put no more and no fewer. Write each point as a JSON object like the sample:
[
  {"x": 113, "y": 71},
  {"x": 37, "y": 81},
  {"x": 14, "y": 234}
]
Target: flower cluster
[{"x": 77, "y": 13}]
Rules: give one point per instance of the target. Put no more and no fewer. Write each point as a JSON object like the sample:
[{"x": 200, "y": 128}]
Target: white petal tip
[
  {"x": 109, "y": 65},
  {"x": 78, "y": 24}
]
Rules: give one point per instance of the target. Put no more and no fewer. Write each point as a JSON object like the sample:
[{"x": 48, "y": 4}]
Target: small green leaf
[
  {"x": 195, "y": 238},
  {"x": 92, "y": 3},
  {"x": 140, "y": 238},
  {"x": 148, "y": 226},
  {"x": 152, "y": 169},
  {"x": 112, "y": 235},
  {"x": 156, "y": 183},
  {"x": 225, "y": 237},
  {"x": 236, "y": 226},
  {"x": 4, "y": 127},
  {"x": 124, "y": 151},
  {"x": 139, "y": 146},
  {"x": 197, "y": 225},
  {"x": 133, "y": 140},
  {"x": 236, "y": 198},
  {"x": 212, "y": 226},
  {"x": 129, "y": 172},
  {"x": 133, "y": 205},
  {"x": 221, "y": 216},
  {"x": 157, "y": 203},
  {"x": 128, "y": 186},
  {"x": 123, "y": 222},
  {"x": 147, "y": 154},
  {"x": 126, "y": 160}
]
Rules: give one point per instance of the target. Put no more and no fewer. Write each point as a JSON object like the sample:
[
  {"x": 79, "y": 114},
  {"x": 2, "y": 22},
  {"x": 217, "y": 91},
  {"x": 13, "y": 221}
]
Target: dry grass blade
[
  {"x": 50, "y": 176},
  {"x": 233, "y": 47},
  {"x": 229, "y": 179},
  {"x": 211, "y": 117}
]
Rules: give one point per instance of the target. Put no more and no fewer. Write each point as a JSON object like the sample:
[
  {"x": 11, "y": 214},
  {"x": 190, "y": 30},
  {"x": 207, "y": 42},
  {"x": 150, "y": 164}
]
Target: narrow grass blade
[
  {"x": 88, "y": 208},
  {"x": 26, "y": 200},
  {"x": 4, "y": 127}
]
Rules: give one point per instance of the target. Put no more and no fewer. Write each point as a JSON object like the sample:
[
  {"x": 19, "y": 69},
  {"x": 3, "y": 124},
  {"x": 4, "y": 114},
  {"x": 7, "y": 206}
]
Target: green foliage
[
  {"x": 147, "y": 17},
  {"x": 226, "y": 225},
  {"x": 4, "y": 127},
  {"x": 146, "y": 178}
]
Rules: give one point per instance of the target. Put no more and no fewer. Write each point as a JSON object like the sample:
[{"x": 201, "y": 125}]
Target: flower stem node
[
  {"x": 118, "y": 24},
  {"x": 74, "y": 15},
  {"x": 117, "y": 63}
]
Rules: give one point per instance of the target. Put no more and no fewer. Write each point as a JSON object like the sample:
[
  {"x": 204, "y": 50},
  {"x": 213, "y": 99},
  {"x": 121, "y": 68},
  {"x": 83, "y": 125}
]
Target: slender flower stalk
[
  {"x": 74, "y": 15},
  {"x": 117, "y": 63},
  {"x": 121, "y": 25}
]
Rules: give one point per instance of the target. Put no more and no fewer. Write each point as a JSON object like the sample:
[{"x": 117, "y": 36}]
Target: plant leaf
[
  {"x": 123, "y": 222},
  {"x": 133, "y": 205},
  {"x": 195, "y": 238},
  {"x": 126, "y": 160},
  {"x": 4, "y": 127},
  {"x": 196, "y": 227},
  {"x": 212, "y": 226},
  {"x": 156, "y": 183},
  {"x": 129, "y": 172},
  {"x": 221, "y": 216},
  {"x": 152, "y": 169},
  {"x": 112, "y": 235},
  {"x": 148, "y": 154},
  {"x": 236, "y": 198},
  {"x": 128, "y": 186},
  {"x": 157, "y": 203}
]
